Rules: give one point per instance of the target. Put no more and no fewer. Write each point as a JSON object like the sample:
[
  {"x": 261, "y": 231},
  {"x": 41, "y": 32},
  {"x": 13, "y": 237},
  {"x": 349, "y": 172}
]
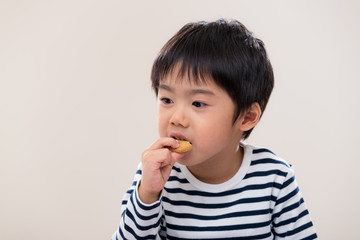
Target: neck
[{"x": 219, "y": 169}]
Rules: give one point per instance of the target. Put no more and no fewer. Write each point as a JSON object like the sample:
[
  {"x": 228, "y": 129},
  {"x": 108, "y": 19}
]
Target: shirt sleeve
[
  {"x": 291, "y": 218},
  {"x": 138, "y": 220}
]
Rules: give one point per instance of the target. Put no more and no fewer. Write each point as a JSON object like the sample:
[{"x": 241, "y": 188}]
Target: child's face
[{"x": 200, "y": 113}]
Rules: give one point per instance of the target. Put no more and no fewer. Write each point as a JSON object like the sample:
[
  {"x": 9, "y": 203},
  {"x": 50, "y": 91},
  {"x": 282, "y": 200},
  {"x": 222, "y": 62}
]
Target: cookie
[{"x": 184, "y": 146}]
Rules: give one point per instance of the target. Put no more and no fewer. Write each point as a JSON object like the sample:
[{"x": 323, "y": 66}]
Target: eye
[
  {"x": 166, "y": 100},
  {"x": 198, "y": 104}
]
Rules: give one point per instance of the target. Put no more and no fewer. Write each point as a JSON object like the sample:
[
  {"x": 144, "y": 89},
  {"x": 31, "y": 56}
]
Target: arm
[
  {"x": 141, "y": 209},
  {"x": 138, "y": 220},
  {"x": 291, "y": 218}
]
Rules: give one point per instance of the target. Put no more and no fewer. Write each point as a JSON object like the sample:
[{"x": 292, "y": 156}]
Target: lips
[{"x": 179, "y": 136}]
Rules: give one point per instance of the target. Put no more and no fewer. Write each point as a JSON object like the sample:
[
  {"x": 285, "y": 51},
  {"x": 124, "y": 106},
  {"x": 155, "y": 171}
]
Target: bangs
[
  {"x": 192, "y": 56},
  {"x": 194, "y": 72}
]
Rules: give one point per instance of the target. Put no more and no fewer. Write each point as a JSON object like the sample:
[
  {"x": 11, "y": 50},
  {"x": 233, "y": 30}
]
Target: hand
[{"x": 157, "y": 162}]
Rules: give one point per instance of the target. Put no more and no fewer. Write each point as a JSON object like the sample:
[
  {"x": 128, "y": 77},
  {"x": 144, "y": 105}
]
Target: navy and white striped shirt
[{"x": 261, "y": 201}]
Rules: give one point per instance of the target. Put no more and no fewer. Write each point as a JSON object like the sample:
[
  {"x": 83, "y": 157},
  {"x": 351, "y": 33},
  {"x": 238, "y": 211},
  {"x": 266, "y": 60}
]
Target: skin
[{"x": 202, "y": 114}]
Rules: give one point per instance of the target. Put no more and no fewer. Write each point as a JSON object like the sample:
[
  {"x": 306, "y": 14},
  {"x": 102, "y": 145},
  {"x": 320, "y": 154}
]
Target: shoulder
[
  {"x": 262, "y": 155},
  {"x": 265, "y": 160},
  {"x": 269, "y": 169}
]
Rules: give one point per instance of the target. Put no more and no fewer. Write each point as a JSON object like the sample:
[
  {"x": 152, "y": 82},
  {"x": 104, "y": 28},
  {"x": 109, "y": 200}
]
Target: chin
[{"x": 184, "y": 161}]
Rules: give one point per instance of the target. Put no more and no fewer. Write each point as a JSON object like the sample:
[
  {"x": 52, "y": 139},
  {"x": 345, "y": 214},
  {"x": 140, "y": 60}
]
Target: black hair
[{"x": 227, "y": 52}]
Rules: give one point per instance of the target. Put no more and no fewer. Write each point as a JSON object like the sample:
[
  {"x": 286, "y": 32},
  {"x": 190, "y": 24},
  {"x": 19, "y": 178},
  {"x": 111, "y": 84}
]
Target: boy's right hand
[{"x": 157, "y": 163}]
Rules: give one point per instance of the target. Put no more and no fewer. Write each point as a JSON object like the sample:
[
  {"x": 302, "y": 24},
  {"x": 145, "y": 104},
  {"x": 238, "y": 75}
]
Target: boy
[{"x": 213, "y": 81}]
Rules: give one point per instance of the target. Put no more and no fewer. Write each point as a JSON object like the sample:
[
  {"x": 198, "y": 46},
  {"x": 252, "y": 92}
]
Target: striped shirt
[{"x": 261, "y": 201}]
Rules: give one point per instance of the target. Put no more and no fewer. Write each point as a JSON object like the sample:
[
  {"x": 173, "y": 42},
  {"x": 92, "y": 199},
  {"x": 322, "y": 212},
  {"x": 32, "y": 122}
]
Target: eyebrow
[{"x": 192, "y": 91}]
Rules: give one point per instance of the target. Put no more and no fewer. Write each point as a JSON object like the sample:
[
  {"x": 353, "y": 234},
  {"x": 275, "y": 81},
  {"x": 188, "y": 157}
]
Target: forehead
[
  {"x": 186, "y": 84},
  {"x": 174, "y": 80},
  {"x": 180, "y": 74}
]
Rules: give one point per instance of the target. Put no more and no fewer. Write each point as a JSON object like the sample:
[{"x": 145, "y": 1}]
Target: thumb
[
  {"x": 175, "y": 157},
  {"x": 166, "y": 170}
]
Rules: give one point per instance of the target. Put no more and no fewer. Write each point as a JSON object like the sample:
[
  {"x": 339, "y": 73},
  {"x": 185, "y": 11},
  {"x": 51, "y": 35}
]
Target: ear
[{"x": 250, "y": 117}]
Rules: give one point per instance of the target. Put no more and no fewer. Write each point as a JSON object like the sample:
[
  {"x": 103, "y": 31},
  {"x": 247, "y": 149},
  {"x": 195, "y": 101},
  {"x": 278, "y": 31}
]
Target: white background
[{"x": 76, "y": 108}]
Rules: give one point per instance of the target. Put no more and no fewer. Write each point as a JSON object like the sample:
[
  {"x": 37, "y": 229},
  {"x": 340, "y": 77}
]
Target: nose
[{"x": 179, "y": 118}]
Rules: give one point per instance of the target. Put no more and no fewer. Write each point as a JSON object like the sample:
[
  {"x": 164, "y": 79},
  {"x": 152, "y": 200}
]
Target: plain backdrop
[{"x": 77, "y": 110}]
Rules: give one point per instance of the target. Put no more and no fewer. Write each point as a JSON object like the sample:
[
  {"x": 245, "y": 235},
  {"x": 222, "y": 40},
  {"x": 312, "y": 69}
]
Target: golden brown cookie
[{"x": 184, "y": 146}]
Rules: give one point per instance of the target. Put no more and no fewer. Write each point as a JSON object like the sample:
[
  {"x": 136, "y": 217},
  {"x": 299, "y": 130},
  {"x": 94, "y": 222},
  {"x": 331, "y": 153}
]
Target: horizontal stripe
[
  {"x": 296, "y": 230},
  {"x": 267, "y": 161},
  {"x": 265, "y": 173},
  {"x": 218, "y": 228},
  {"x": 121, "y": 234},
  {"x": 311, "y": 237},
  {"x": 287, "y": 197},
  {"x": 217, "y": 217},
  {"x": 218, "y": 205},
  {"x": 176, "y": 169},
  {"x": 262, "y": 150},
  {"x": 289, "y": 208},
  {"x": 140, "y": 216},
  {"x": 253, "y": 237},
  {"x": 226, "y": 193},
  {"x": 130, "y": 191},
  {"x": 288, "y": 182},
  {"x": 292, "y": 220},
  {"x": 176, "y": 179},
  {"x": 132, "y": 232},
  {"x": 143, "y": 207},
  {"x": 140, "y": 227}
]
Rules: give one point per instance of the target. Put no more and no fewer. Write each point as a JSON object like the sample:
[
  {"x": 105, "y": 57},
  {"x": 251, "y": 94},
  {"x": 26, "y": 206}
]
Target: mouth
[{"x": 181, "y": 138}]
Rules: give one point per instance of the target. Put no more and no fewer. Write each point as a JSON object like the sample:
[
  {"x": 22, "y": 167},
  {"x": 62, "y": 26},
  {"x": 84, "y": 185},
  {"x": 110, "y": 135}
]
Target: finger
[
  {"x": 158, "y": 157},
  {"x": 165, "y": 142},
  {"x": 175, "y": 157}
]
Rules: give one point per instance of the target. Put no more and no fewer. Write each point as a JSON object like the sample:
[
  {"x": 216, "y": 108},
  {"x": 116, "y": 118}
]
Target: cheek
[
  {"x": 208, "y": 135},
  {"x": 213, "y": 133},
  {"x": 162, "y": 124}
]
